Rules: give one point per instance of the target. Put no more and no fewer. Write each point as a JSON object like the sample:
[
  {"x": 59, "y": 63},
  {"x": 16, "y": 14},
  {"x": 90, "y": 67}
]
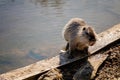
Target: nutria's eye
[{"x": 83, "y": 28}]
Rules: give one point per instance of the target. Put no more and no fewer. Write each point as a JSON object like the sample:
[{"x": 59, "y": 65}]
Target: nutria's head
[
  {"x": 76, "y": 22},
  {"x": 89, "y": 34}
]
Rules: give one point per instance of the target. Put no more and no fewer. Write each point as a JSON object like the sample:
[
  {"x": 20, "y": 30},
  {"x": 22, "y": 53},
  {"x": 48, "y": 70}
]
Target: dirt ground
[{"x": 109, "y": 70}]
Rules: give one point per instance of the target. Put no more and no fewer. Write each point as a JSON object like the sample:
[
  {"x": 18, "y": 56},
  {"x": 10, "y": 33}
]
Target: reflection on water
[
  {"x": 47, "y": 3},
  {"x": 30, "y": 30}
]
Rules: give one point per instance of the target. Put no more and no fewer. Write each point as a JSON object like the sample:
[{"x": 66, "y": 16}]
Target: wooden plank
[
  {"x": 96, "y": 61},
  {"x": 104, "y": 39}
]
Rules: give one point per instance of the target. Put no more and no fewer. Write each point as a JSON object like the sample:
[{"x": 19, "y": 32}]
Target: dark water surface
[{"x": 30, "y": 30}]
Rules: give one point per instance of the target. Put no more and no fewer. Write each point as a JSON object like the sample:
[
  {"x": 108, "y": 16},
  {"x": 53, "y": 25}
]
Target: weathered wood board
[
  {"x": 96, "y": 61},
  {"x": 104, "y": 39}
]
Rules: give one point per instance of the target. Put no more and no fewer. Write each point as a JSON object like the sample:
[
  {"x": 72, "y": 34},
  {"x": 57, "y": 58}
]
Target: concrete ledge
[{"x": 105, "y": 38}]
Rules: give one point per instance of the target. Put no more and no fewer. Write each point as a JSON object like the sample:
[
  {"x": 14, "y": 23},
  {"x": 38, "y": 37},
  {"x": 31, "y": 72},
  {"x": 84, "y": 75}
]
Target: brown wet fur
[{"x": 78, "y": 35}]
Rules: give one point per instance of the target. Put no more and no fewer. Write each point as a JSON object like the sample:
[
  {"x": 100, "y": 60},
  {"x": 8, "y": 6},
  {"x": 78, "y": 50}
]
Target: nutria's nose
[{"x": 92, "y": 39}]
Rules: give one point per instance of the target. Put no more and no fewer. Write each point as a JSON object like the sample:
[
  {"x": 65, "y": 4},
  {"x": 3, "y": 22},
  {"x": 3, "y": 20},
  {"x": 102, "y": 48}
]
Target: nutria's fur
[{"x": 78, "y": 35}]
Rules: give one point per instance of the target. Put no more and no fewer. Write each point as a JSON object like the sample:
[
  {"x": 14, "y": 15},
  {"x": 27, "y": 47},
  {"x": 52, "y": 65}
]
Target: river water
[{"x": 30, "y": 30}]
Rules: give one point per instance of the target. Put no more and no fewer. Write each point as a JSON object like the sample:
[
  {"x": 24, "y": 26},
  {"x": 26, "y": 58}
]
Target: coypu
[{"x": 78, "y": 35}]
